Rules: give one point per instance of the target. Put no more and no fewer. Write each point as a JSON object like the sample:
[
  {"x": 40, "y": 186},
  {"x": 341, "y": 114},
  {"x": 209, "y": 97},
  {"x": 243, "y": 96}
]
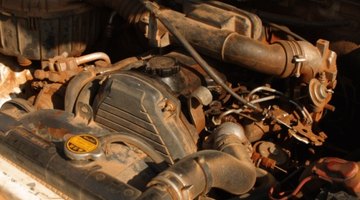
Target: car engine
[{"x": 182, "y": 99}]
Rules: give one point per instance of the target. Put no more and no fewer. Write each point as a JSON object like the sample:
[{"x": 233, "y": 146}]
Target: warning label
[{"x": 83, "y": 143}]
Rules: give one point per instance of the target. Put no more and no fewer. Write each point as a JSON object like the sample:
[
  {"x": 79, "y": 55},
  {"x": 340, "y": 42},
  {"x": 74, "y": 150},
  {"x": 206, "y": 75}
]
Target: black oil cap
[{"x": 163, "y": 66}]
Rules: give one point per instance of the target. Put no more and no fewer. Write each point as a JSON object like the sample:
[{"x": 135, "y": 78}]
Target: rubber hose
[{"x": 202, "y": 171}]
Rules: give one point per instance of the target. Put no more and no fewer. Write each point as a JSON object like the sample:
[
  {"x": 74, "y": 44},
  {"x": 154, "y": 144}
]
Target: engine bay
[{"x": 182, "y": 99}]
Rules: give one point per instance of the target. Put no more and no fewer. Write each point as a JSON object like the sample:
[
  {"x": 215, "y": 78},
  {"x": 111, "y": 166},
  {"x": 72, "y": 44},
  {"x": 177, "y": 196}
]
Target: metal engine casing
[{"x": 140, "y": 105}]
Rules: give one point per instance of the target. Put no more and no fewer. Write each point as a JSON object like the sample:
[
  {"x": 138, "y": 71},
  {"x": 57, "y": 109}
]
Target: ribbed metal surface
[
  {"x": 131, "y": 121},
  {"x": 137, "y": 104},
  {"x": 49, "y": 31}
]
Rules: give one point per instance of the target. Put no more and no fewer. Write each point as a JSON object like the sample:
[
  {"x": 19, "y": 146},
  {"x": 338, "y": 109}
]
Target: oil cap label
[{"x": 83, "y": 143}]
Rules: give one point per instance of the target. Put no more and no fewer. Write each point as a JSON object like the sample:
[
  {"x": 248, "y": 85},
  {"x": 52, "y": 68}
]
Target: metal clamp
[{"x": 298, "y": 60}]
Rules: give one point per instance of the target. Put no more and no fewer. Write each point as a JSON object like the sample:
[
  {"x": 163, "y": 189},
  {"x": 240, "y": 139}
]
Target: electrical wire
[{"x": 303, "y": 110}]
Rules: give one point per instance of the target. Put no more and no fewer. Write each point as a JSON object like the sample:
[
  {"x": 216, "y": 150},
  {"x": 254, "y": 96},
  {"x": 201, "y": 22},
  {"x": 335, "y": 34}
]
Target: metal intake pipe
[
  {"x": 282, "y": 58},
  {"x": 213, "y": 37},
  {"x": 196, "y": 174},
  {"x": 230, "y": 138}
]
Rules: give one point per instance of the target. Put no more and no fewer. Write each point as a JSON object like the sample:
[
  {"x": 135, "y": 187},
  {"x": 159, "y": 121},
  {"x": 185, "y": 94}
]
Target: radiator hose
[
  {"x": 229, "y": 168},
  {"x": 196, "y": 174}
]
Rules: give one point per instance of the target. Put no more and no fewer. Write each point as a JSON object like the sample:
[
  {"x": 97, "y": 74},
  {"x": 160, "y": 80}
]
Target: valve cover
[{"x": 136, "y": 104}]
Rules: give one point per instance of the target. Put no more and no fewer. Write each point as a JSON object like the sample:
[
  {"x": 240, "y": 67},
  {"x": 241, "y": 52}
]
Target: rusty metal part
[
  {"x": 56, "y": 76},
  {"x": 340, "y": 171},
  {"x": 53, "y": 125},
  {"x": 306, "y": 117},
  {"x": 271, "y": 151},
  {"x": 197, "y": 57},
  {"x": 256, "y": 130},
  {"x": 319, "y": 93},
  {"x": 199, "y": 98},
  {"x": 46, "y": 98},
  {"x": 283, "y": 58},
  {"x": 93, "y": 57},
  {"x": 300, "y": 58},
  {"x": 260, "y": 160},
  {"x": 64, "y": 63},
  {"x": 301, "y": 132},
  {"x": 267, "y": 163},
  {"x": 305, "y": 134},
  {"x": 125, "y": 64}
]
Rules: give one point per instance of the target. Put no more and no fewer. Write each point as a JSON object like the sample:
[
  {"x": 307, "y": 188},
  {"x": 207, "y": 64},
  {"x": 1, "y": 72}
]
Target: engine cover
[{"x": 137, "y": 104}]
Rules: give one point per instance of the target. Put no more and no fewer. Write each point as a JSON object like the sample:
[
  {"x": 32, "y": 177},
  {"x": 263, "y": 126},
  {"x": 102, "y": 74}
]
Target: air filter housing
[{"x": 41, "y": 29}]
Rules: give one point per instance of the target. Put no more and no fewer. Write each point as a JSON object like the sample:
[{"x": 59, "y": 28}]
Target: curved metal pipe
[
  {"x": 230, "y": 128},
  {"x": 93, "y": 57},
  {"x": 74, "y": 88},
  {"x": 197, "y": 173},
  {"x": 230, "y": 138},
  {"x": 125, "y": 64},
  {"x": 230, "y": 169},
  {"x": 282, "y": 59}
]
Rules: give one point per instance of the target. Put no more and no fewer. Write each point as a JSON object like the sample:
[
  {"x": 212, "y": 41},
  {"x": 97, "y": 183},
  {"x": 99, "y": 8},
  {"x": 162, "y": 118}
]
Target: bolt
[
  {"x": 169, "y": 106},
  {"x": 100, "y": 176}
]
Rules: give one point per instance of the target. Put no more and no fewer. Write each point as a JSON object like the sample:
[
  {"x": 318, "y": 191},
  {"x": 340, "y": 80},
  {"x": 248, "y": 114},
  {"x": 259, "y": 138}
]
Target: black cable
[{"x": 204, "y": 65}]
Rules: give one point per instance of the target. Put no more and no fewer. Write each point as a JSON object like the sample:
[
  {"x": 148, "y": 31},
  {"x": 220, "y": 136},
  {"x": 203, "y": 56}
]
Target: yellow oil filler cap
[{"x": 83, "y": 147}]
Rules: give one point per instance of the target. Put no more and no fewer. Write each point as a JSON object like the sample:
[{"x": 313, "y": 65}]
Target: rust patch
[{"x": 57, "y": 133}]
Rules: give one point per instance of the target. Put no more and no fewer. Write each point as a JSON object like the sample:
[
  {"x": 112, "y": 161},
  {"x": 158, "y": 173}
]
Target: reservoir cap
[{"x": 83, "y": 147}]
